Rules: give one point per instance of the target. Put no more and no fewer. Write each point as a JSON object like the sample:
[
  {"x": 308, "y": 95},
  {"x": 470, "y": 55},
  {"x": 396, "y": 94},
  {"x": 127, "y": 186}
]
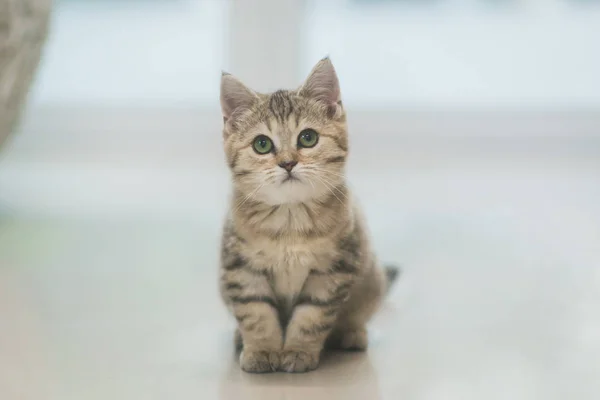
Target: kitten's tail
[{"x": 392, "y": 272}]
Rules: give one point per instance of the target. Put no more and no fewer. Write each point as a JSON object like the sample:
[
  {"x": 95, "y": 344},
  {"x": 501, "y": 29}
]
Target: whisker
[
  {"x": 311, "y": 184},
  {"x": 324, "y": 171},
  {"x": 249, "y": 196},
  {"x": 335, "y": 174},
  {"x": 334, "y": 187},
  {"x": 329, "y": 187}
]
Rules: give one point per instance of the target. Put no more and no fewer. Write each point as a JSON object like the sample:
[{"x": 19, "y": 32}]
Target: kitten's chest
[
  {"x": 287, "y": 282},
  {"x": 289, "y": 264}
]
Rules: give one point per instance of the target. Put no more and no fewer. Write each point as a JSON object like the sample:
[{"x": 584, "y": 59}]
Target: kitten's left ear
[
  {"x": 322, "y": 85},
  {"x": 235, "y": 96}
]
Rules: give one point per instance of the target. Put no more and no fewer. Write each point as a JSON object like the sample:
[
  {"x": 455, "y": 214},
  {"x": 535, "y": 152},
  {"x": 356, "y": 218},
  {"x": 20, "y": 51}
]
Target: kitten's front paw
[
  {"x": 299, "y": 361},
  {"x": 259, "y": 362}
]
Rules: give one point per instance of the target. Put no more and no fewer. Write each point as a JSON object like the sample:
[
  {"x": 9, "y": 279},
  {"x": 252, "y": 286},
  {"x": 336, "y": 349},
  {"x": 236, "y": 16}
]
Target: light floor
[{"x": 499, "y": 299}]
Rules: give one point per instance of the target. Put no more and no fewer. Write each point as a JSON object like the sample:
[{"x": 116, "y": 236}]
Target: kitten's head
[{"x": 289, "y": 146}]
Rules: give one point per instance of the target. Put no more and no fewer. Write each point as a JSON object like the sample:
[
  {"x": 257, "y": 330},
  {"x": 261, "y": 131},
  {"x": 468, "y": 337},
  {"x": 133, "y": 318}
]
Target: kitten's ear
[
  {"x": 235, "y": 96},
  {"x": 322, "y": 84}
]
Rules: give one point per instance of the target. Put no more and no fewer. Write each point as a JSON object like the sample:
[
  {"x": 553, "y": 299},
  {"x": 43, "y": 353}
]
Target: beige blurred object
[{"x": 23, "y": 31}]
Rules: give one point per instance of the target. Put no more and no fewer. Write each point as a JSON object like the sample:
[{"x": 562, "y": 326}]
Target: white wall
[
  {"x": 439, "y": 54},
  {"x": 134, "y": 53},
  {"x": 530, "y": 53}
]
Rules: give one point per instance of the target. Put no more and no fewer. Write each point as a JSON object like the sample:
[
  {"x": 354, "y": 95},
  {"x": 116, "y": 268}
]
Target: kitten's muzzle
[{"x": 288, "y": 165}]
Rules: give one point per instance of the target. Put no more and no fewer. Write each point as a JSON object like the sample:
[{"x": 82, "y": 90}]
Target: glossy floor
[{"x": 499, "y": 298}]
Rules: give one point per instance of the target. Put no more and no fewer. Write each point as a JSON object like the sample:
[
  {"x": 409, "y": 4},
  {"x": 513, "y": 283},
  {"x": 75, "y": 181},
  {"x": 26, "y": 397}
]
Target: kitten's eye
[
  {"x": 308, "y": 138},
  {"x": 262, "y": 144}
]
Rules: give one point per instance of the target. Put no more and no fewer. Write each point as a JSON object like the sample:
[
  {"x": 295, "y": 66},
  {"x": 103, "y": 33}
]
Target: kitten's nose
[{"x": 288, "y": 165}]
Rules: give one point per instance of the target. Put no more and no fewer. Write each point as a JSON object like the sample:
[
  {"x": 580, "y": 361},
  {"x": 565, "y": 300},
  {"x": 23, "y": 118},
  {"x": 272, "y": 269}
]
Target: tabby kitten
[{"x": 297, "y": 270}]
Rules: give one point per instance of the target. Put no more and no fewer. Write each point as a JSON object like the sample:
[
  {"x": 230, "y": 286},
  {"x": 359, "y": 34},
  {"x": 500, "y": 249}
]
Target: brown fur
[{"x": 297, "y": 269}]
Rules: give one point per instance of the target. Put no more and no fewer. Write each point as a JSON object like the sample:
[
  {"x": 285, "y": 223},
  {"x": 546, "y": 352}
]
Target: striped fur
[{"x": 297, "y": 269}]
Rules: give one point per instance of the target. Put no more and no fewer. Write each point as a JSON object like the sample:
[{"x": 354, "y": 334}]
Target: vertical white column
[{"x": 265, "y": 42}]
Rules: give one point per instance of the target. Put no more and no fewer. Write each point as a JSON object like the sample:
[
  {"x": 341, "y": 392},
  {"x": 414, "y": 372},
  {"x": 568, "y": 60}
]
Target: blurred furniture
[
  {"x": 254, "y": 33},
  {"x": 23, "y": 30}
]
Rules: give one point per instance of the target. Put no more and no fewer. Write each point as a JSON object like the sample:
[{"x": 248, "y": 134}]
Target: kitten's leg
[
  {"x": 350, "y": 331},
  {"x": 313, "y": 319},
  {"x": 352, "y": 337},
  {"x": 237, "y": 340},
  {"x": 250, "y": 297}
]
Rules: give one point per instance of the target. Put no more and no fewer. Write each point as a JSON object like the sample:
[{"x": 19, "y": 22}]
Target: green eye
[
  {"x": 262, "y": 144},
  {"x": 308, "y": 138}
]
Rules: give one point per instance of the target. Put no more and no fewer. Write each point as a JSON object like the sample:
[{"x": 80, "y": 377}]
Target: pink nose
[{"x": 288, "y": 165}]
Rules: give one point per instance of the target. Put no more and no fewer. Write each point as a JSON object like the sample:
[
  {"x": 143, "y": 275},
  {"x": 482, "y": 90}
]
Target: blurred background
[
  {"x": 475, "y": 132},
  {"x": 136, "y": 82}
]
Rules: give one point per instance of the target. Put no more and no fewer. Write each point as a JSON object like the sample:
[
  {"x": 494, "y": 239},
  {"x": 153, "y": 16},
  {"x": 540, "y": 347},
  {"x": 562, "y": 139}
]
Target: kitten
[{"x": 297, "y": 270}]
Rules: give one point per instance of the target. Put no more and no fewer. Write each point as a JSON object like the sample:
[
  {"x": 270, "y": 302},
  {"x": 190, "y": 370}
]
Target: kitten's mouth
[{"x": 290, "y": 178}]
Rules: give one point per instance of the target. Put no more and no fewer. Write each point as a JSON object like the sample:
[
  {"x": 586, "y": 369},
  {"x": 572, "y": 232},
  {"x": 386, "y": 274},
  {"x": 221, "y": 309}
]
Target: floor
[{"x": 499, "y": 297}]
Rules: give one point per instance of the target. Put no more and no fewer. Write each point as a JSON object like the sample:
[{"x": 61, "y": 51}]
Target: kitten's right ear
[
  {"x": 235, "y": 96},
  {"x": 322, "y": 85}
]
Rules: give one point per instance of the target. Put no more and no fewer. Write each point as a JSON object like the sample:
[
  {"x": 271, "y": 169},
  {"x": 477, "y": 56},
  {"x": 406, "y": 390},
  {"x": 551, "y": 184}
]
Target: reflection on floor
[{"x": 499, "y": 298}]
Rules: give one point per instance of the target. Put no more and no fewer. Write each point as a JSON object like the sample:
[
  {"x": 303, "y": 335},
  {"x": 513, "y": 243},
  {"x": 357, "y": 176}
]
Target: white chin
[{"x": 288, "y": 192}]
